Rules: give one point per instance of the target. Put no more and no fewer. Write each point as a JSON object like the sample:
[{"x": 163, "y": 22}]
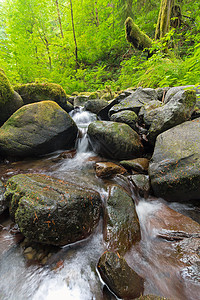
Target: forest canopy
[{"x": 81, "y": 44}]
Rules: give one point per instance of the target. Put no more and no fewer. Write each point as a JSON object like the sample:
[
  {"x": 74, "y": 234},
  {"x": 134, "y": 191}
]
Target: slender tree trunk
[
  {"x": 164, "y": 16},
  {"x": 59, "y": 19},
  {"x": 46, "y": 43},
  {"x": 96, "y": 14},
  {"x": 74, "y": 34}
]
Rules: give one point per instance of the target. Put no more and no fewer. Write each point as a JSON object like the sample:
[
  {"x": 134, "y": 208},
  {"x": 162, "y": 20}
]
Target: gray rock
[
  {"x": 36, "y": 129},
  {"x": 176, "y": 111},
  {"x": 135, "y": 101},
  {"x": 141, "y": 183},
  {"x": 149, "y": 111},
  {"x": 162, "y": 92},
  {"x": 128, "y": 117},
  {"x": 51, "y": 211},
  {"x": 114, "y": 140},
  {"x": 95, "y": 105},
  {"x": 175, "y": 165},
  {"x": 122, "y": 229},
  {"x": 123, "y": 281},
  {"x": 172, "y": 91}
]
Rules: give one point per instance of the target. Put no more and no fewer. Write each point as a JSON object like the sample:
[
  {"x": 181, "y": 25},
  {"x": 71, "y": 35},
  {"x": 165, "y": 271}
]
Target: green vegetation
[{"x": 81, "y": 44}]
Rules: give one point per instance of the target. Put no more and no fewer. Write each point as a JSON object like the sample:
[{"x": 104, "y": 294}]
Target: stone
[
  {"x": 10, "y": 101},
  {"x": 37, "y": 129},
  {"x": 36, "y": 92},
  {"x": 123, "y": 281},
  {"x": 128, "y": 117},
  {"x": 178, "y": 110},
  {"x": 114, "y": 140},
  {"x": 51, "y": 211},
  {"x": 139, "y": 165},
  {"x": 135, "y": 101},
  {"x": 108, "y": 169},
  {"x": 141, "y": 184},
  {"x": 173, "y": 90},
  {"x": 175, "y": 164},
  {"x": 149, "y": 111},
  {"x": 122, "y": 227},
  {"x": 95, "y": 105},
  {"x": 2, "y": 202}
]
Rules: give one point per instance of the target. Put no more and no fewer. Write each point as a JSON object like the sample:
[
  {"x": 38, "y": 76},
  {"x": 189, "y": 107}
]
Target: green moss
[
  {"x": 190, "y": 99},
  {"x": 6, "y": 90},
  {"x": 135, "y": 36}
]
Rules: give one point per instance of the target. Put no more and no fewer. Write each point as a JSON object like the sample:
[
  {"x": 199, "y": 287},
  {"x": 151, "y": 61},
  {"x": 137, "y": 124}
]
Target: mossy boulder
[
  {"x": 51, "y": 211},
  {"x": 175, "y": 164},
  {"x": 10, "y": 101},
  {"x": 122, "y": 227},
  {"x": 108, "y": 169},
  {"x": 141, "y": 184},
  {"x": 173, "y": 90},
  {"x": 123, "y": 281},
  {"x": 149, "y": 111},
  {"x": 139, "y": 165},
  {"x": 35, "y": 92},
  {"x": 36, "y": 129},
  {"x": 2, "y": 202},
  {"x": 95, "y": 105},
  {"x": 128, "y": 117},
  {"x": 114, "y": 140},
  {"x": 135, "y": 100},
  {"x": 178, "y": 110}
]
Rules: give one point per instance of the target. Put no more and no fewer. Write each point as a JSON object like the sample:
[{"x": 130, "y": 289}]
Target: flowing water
[{"x": 76, "y": 277}]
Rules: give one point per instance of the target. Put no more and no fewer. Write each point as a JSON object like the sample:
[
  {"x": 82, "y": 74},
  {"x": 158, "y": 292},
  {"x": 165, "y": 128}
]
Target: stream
[{"x": 77, "y": 278}]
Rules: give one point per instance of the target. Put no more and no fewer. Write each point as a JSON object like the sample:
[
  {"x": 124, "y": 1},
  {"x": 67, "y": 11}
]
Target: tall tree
[{"x": 164, "y": 17}]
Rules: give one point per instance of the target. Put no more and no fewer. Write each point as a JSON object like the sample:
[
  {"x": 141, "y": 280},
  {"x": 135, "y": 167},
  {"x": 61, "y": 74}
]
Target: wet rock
[
  {"x": 128, "y": 117},
  {"x": 114, "y": 140},
  {"x": 36, "y": 92},
  {"x": 139, "y": 165},
  {"x": 2, "y": 202},
  {"x": 80, "y": 100},
  {"x": 141, "y": 183},
  {"x": 122, "y": 229},
  {"x": 36, "y": 129},
  {"x": 10, "y": 101},
  {"x": 65, "y": 155},
  {"x": 123, "y": 281},
  {"x": 95, "y": 105},
  {"x": 135, "y": 101},
  {"x": 178, "y": 110},
  {"x": 103, "y": 113},
  {"x": 149, "y": 112},
  {"x": 151, "y": 297},
  {"x": 51, "y": 211},
  {"x": 175, "y": 164},
  {"x": 108, "y": 169},
  {"x": 172, "y": 91}
]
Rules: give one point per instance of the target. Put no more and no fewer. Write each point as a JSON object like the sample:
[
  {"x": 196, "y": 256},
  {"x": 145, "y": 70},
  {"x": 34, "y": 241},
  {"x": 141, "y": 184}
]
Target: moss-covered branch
[{"x": 135, "y": 36}]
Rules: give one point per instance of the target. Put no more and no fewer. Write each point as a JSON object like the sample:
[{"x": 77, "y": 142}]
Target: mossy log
[{"x": 135, "y": 36}]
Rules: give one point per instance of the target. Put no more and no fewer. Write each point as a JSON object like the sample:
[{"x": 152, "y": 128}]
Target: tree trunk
[
  {"x": 59, "y": 19},
  {"x": 74, "y": 34},
  {"x": 164, "y": 16},
  {"x": 96, "y": 14}
]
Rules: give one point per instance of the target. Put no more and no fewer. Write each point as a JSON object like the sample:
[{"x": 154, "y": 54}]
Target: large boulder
[
  {"x": 35, "y": 92},
  {"x": 114, "y": 140},
  {"x": 178, "y": 110},
  {"x": 50, "y": 211},
  {"x": 37, "y": 129},
  {"x": 122, "y": 229},
  {"x": 95, "y": 105},
  {"x": 175, "y": 165},
  {"x": 123, "y": 281},
  {"x": 173, "y": 90},
  {"x": 10, "y": 101},
  {"x": 135, "y": 100}
]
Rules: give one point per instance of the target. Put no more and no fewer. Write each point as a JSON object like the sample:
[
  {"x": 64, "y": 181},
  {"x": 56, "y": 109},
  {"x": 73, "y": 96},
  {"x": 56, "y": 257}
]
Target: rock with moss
[
  {"x": 135, "y": 100},
  {"x": 122, "y": 229},
  {"x": 175, "y": 164},
  {"x": 139, "y": 165},
  {"x": 114, "y": 140},
  {"x": 135, "y": 36},
  {"x": 148, "y": 112},
  {"x": 128, "y": 117},
  {"x": 37, "y": 129},
  {"x": 35, "y": 92},
  {"x": 2, "y": 201},
  {"x": 141, "y": 184},
  {"x": 178, "y": 110},
  {"x": 172, "y": 91},
  {"x": 95, "y": 105},
  {"x": 10, "y": 100},
  {"x": 122, "y": 280},
  {"x": 51, "y": 211},
  {"x": 151, "y": 297},
  {"x": 108, "y": 169}
]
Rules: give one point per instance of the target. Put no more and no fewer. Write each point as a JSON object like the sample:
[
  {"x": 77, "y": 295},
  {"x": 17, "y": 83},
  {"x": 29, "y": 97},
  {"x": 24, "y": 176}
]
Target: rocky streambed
[{"x": 101, "y": 202}]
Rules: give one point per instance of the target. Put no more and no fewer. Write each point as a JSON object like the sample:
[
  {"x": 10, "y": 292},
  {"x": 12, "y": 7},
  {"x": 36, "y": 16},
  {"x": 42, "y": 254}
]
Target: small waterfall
[{"x": 82, "y": 119}]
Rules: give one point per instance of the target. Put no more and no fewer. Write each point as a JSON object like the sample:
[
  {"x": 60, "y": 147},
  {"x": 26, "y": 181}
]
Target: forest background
[{"x": 81, "y": 44}]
